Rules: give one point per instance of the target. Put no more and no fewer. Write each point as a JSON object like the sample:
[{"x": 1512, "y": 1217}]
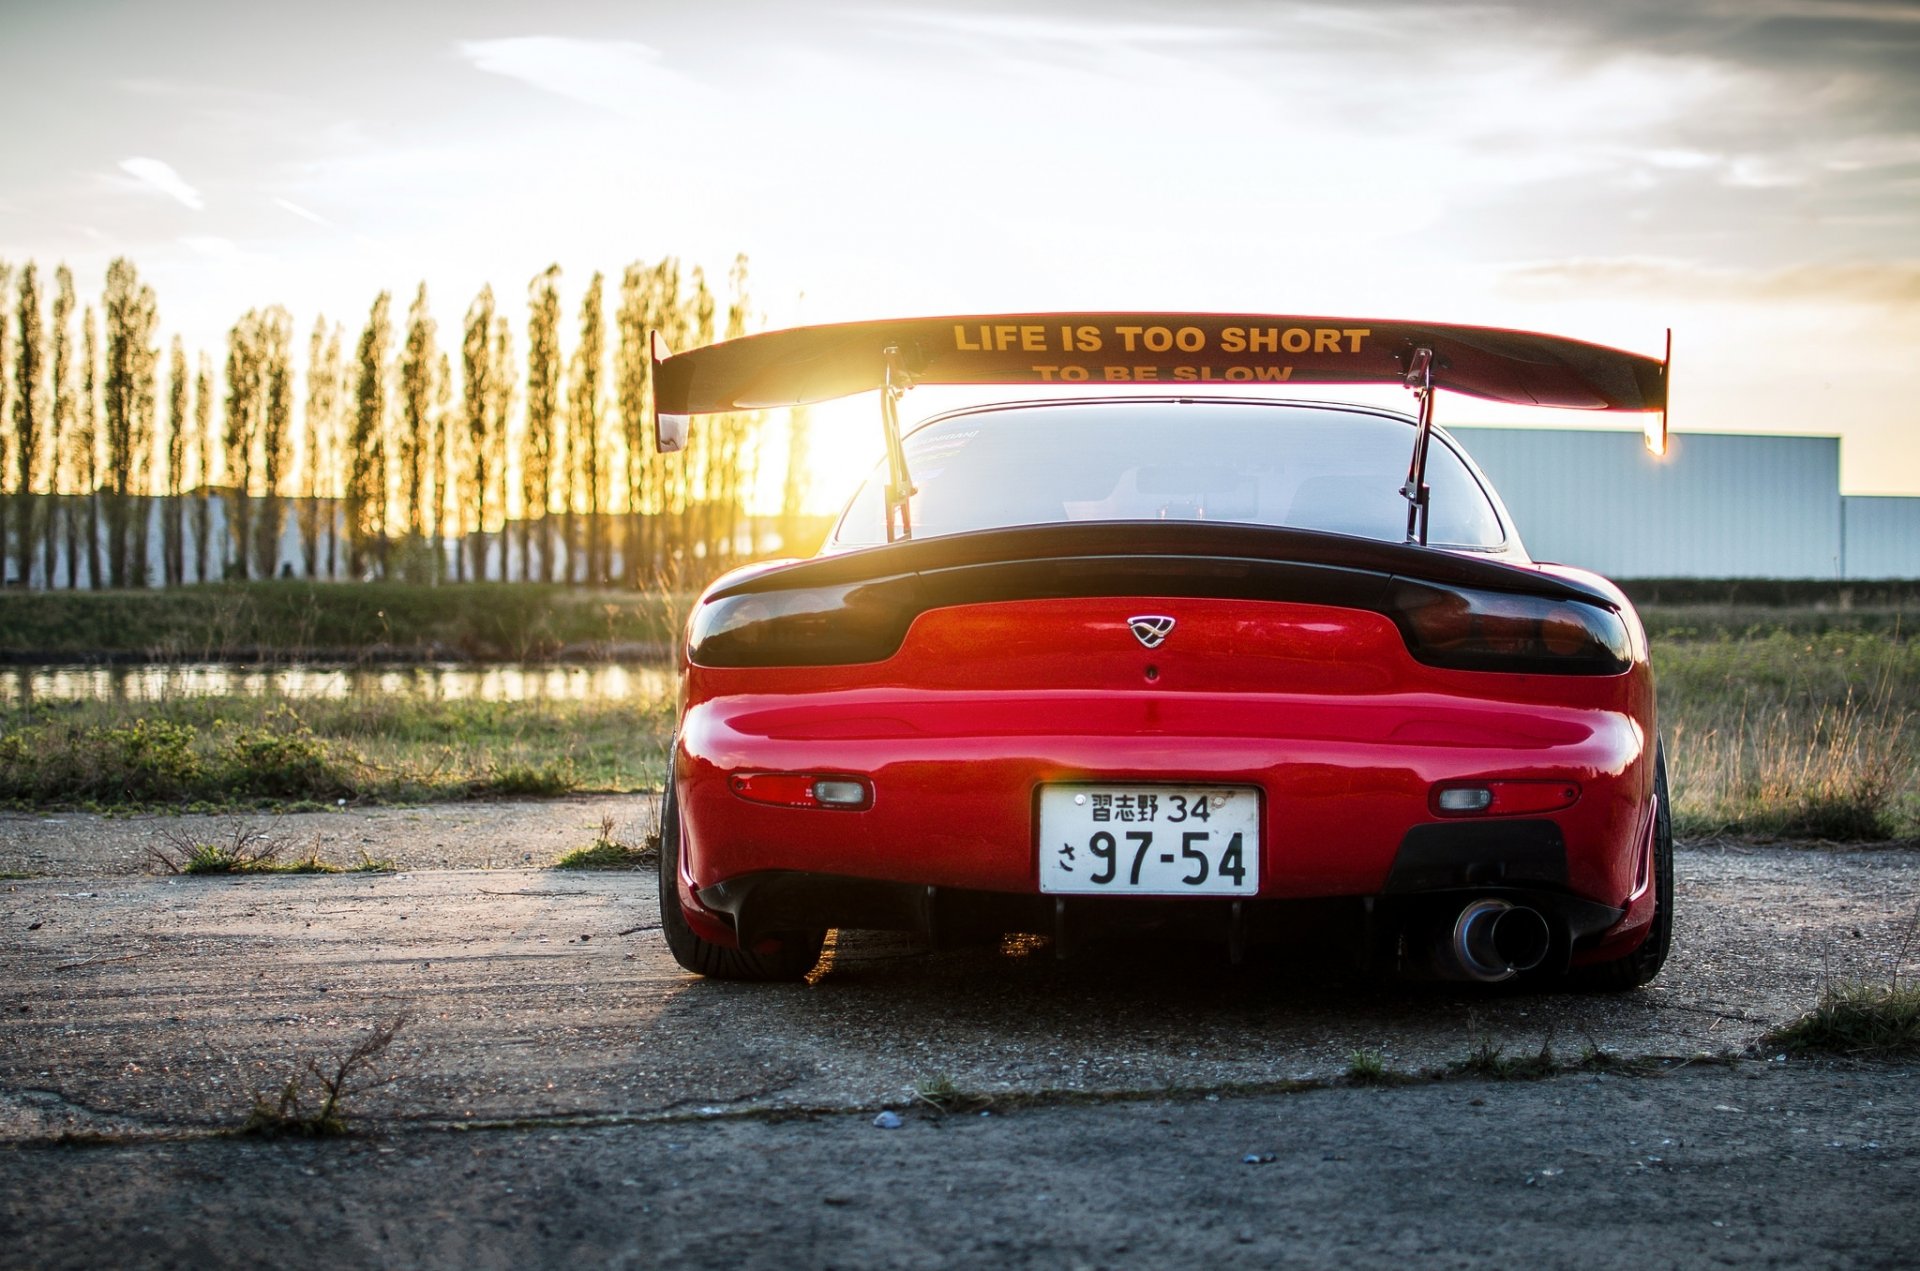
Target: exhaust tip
[
  {"x": 1495, "y": 940},
  {"x": 1522, "y": 937}
]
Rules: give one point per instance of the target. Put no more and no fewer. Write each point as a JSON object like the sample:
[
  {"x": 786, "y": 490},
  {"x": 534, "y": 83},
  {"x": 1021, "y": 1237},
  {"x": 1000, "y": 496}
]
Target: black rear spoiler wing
[
  {"x": 1175, "y": 350},
  {"x": 813, "y": 364}
]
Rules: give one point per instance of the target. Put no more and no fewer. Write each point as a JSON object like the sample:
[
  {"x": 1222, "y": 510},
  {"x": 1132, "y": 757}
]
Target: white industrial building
[{"x": 1717, "y": 505}]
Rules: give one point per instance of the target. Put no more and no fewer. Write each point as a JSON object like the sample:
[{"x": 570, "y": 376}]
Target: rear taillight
[
  {"x": 811, "y": 626},
  {"x": 1503, "y": 631}
]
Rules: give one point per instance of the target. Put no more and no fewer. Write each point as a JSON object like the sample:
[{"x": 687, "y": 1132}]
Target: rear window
[{"x": 1283, "y": 465}]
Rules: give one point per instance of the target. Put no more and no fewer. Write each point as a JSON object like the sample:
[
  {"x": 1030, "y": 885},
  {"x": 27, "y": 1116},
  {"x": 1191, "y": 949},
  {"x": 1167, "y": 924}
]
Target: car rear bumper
[{"x": 1346, "y": 790}]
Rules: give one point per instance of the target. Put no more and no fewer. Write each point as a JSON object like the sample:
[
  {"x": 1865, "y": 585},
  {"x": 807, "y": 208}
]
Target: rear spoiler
[{"x": 813, "y": 364}]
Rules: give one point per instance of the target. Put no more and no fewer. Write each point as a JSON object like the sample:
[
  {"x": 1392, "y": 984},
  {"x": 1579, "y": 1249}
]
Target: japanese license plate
[{"x": 1150, "y": 840}]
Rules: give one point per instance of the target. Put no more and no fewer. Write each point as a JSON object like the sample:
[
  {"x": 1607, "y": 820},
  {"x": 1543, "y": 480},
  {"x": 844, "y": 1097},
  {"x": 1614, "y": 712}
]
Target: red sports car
[{"x": 1232, "y": 667}]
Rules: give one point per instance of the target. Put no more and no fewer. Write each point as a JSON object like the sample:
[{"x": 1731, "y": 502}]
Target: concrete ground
[{"x": 563, "y": 1090}]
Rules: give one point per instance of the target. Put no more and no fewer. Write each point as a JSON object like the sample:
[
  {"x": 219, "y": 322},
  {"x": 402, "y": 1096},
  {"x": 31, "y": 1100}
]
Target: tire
[
  {"x": 1644, "y": 963},
  {"x": 797, "y": 954}
]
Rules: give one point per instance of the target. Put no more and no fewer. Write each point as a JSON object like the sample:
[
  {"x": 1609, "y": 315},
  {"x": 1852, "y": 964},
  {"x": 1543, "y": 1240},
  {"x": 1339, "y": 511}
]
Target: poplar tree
[
  {"x": 323, "y": 408},
  {"x": 128, "y": 409},
  {"x": 694, "y": 513},
  {"x": 275, "y": 413},
  {"x": 732, "y": 459},
  {"x": 9, "y": 440},
  {"x": 416, "y": 401},
  {"x": 173, "y": 549},
  {"x": 652, "y": 303},
  {"x": 793, "y": 491},
  {"x": 444, "y": 433},
  {"x": 632, "y": 368},
  {"x": 203, "y": 443},
  {"x": 586, "y": 471},
  {"x": 87, "y": 439},
  {"x": 366, "y": 499},
  {"x": 246, "y": 376},
  {"x": 29, "y": 419},
  {"x": 543, "y": 405},
  {"x": 499, "y": 413},
  {"x": 477, "y": 373},
  {"x": 60, "y": 439}
]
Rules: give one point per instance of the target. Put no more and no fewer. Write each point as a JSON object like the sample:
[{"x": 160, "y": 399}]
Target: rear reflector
[
  {"x": 1503, "y": 798},
  {"x": 802, "y": 789}
]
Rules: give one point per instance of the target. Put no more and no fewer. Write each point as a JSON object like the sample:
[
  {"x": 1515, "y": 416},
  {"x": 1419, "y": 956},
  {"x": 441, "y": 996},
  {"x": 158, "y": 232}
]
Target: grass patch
[
  {"x": 1879, "y": 1021},
  {"x": 542, "y": 780},
  {"x": 1790, "y": 735},
  {"x": 943, "y": 1096},
  {"x": 228, "y": 751},
  {"x": 1492, "y": 1063},
  {"x": 1367, "y": 1068},
  {"x": 312, "y": 1104},
  {"x": 1861, "y": 1019},
  {"x": 247, "y": 850},
  {"x": 608, "y": 852}
]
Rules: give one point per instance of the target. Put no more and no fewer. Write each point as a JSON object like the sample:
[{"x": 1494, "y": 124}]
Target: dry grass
[
  {"x": 608, "y": 851},
  {"x": 1856, "y": 1020},
  {"x": 1862, "y": 1019},
  {"x": 1793, "y": 735},
  {"x": 302, "y": 1111},
  {"x": 246, "y": 850},
  {"x": 238, "y": 750}
]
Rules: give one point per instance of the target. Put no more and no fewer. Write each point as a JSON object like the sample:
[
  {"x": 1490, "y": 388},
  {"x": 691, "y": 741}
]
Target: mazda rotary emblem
[{"x": 1150, "y": 628}]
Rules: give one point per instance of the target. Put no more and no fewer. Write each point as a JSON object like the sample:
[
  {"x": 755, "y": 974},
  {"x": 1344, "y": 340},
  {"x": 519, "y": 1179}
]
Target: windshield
[{"x": 1304, "y": 467}]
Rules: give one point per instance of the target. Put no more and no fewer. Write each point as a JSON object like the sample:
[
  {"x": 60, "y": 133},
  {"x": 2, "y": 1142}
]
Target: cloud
[
  {"x": 1891, "y": 283},
  {"x": 212, "y": 246},
  {"x": 159, "y": 176},
  {"x": 623, "y": 76},
  {"x": 305, "y": 214}
]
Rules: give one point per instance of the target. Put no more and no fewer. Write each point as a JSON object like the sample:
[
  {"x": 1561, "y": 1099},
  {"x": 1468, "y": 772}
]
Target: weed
[
  {"x": 354, "y": 1073},
  {"x": 244, "y": 850},
  {"x": 1861, "y": 1019},
  {"x": 1855, "y": 1019},
  {"x": 281, "y": 759},
  {"x": 1594, "y": 1059},
  {"x": 608, "y": 852},
  {"x": 542, "y": 780},
  {"x": 1366, "y": 1068},
  {"x": 943, "y": 1096},
  {"x": 371, "y": 864},
  {"x": 1492, "y": 1062}
]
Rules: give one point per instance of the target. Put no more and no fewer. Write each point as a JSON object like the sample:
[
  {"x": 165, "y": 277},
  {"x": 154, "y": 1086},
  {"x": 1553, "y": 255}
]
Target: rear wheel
[
  {"x": 1640, "y": 966},
  {"x": 796, "y": 954}
]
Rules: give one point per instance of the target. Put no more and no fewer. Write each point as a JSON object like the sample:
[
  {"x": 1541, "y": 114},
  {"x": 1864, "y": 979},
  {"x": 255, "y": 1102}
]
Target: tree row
[{"x": 383, "y": 460}]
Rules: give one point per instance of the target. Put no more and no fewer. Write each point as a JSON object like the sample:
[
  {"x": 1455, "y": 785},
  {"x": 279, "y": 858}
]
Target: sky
[{"x": 1746, "y": 172}]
